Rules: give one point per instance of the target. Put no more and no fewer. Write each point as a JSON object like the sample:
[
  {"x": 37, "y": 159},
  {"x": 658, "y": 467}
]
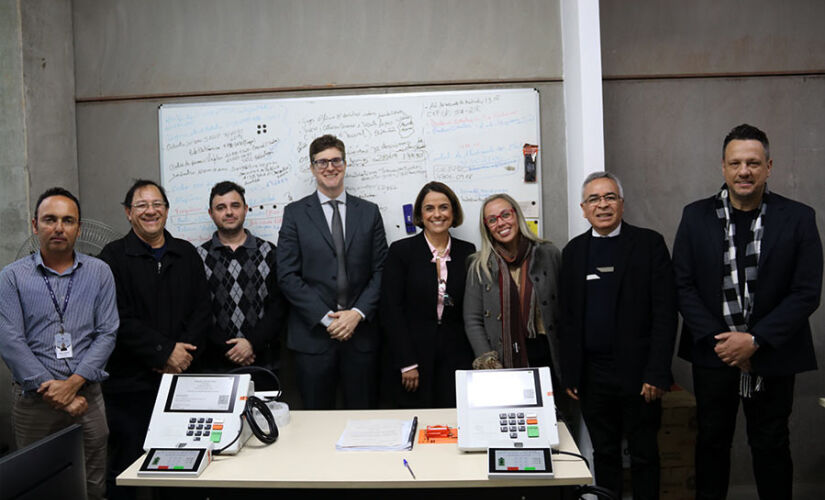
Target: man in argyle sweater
[{"x": 247, "y": 306}]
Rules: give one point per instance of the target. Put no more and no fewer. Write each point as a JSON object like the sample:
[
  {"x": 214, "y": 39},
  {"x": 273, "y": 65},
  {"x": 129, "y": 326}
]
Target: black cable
[
  {"x": 559, "y": 452},
  {"x": 218, "y": 452},
  {"x": 599, "y": 491},
  {"x": 259, "y": 369},
  {"x": 254, "y": 403},
  {"x": 589, "y": 489}
]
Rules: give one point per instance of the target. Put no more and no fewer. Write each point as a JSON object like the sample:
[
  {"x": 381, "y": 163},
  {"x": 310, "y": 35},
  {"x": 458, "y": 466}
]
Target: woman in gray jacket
[{"x": 511, "y": 307}]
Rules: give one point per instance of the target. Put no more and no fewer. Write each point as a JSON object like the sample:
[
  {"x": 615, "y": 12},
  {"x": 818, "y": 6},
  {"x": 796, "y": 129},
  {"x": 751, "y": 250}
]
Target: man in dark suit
[
  {"x": 618, "y": 307},
  {"x": 748, "y": 266},
  {"x": 331, "y": 251}
]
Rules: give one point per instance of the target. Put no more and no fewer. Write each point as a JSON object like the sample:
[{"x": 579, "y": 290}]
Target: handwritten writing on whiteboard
[{"x": 471, "y": 140}]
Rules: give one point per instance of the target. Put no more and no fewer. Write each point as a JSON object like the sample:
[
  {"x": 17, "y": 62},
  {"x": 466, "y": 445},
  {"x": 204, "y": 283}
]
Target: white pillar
[
  {"x": 584, "y": 122},
  {"x": 582, "y": 62}
]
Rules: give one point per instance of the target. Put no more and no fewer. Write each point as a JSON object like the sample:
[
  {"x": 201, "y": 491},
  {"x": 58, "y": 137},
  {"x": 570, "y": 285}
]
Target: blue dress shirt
[{"x": 29, "y": 320}]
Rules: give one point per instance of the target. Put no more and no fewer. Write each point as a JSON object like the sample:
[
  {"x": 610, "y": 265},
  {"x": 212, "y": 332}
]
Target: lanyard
[{"x": 54, "y": 298}]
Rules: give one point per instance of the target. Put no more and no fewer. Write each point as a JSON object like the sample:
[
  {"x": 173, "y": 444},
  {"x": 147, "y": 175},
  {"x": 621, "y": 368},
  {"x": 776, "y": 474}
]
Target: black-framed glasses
[{"x": 325, "y": 162}]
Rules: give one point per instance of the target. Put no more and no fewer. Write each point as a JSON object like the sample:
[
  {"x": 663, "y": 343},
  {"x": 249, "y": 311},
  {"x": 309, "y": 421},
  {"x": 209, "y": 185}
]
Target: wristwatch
[{"x": 755, "y": 343}]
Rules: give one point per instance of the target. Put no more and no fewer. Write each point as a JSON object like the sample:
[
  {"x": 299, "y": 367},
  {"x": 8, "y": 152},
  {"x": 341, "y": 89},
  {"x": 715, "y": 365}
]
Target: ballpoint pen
[{"x": 407, "y": 465}]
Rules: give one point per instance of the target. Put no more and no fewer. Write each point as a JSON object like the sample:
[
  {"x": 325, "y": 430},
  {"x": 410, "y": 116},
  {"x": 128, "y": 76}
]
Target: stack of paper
[{"x": 376, "y": 435}]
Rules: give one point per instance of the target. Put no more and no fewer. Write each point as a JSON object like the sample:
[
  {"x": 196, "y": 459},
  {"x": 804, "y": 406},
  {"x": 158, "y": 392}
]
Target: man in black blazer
[
  {"x": 618, "y": 307},
  {"x": 748, "y": 266},
  {"x": 331, "y": 251}
]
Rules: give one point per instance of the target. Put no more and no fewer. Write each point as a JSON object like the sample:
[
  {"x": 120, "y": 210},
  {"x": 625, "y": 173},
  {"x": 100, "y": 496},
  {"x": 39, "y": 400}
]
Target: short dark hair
[
  {"x": 56, "y": 191},
  {"x": 224, "y": 187},
  {"x": 747, "y": 132},
  {"x": 325, "y": 142},
  {"x": 140, "y": 183},
  {"x": 438, "y": 187}
]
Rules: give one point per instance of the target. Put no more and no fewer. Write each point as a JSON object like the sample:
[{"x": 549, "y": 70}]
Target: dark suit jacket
[
  {"x": 307, "y": 269},
  {"x": 409, "y": 299},
  {"x": 645, "y": 305},
  {"x": 787, "y": 292}
]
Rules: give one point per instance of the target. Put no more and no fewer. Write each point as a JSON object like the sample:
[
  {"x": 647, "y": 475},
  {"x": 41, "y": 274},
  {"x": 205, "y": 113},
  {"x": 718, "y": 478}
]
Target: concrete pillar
[
  {"x": 37, "y": 127},
  {"x": 48, "y": 77},
  {"x": 14, "y": 189}
]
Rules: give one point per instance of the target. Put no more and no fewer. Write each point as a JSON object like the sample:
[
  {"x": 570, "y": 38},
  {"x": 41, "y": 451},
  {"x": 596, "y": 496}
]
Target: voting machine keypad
[
  {"x": 519, "y": 424},
  {"x": 204, "y": 427}
]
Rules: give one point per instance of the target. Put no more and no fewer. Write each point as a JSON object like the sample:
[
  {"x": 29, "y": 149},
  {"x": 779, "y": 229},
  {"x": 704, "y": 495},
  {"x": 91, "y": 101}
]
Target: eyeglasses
[
  {"x": 505, "y": 215},
  {"x": 324, "y": 162},
  {"x": 610, "y": 198},
  {"x": 143, "y": 206}
]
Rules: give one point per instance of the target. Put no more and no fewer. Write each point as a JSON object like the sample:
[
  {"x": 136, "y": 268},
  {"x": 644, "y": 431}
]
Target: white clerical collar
[{"x": 612, "y": 234}]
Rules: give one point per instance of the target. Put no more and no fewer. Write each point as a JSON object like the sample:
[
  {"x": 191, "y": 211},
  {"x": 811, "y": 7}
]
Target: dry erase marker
[
  {"x": 408, "y": 218},
  {"x": 413, "y": 428}
]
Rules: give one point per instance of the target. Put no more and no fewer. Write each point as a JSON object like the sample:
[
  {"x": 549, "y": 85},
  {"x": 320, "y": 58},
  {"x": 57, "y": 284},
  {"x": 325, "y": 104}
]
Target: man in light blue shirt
[{"x": 58, "y": 321}]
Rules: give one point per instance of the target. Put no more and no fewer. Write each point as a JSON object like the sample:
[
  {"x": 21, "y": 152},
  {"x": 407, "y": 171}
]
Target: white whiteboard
[{"x": 395, "y": 143}]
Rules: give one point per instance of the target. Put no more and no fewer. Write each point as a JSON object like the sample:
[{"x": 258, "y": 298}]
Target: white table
[{"x": 305, "y": 457}]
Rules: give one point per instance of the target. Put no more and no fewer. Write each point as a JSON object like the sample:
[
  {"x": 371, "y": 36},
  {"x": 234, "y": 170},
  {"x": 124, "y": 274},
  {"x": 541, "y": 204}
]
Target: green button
[
  {"x": 178, "y": 467},
  {"x": 216, "y": 436},
  {"x": 529, "y": 468},
  {"x": 533, "y": 431}
]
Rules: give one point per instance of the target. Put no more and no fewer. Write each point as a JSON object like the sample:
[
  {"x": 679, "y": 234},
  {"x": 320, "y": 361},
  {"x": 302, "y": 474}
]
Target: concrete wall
[
  {"x": 198, "y": 46},
  {"x": 705, "y": 37},
  {"x": 759, "y": 62},
  {"x": 48, "y": 69},
  {"x": 14, "y": 212}
]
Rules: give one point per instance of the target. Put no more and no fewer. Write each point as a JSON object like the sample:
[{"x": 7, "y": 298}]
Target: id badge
[{"x": 63, "y": 345}]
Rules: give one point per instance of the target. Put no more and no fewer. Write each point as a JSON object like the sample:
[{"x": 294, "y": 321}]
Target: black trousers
[
  {"x": 436, "y": 375},
  {"x": 128, "y": 415},
  {"x": 611, "y": 414},
  {"x": 319, "y": 376},
  {"x": 766, "y": 415}
]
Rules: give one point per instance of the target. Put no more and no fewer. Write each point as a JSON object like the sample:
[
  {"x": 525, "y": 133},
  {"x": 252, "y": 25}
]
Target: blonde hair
[{"x": 478, "y": 261}]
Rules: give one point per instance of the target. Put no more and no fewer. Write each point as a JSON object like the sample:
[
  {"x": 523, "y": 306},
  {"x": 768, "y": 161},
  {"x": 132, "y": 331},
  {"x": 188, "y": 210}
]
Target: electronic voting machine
[
  {"x": 200, "y": 411},
  {"x": 510, "y": 408}
]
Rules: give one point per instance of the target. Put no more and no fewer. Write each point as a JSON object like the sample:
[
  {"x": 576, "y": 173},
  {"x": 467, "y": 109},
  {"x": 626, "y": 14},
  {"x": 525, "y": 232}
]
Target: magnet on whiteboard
[
  {"x": 408, "y": 218},
  {"x": 529, "y": 208}
]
